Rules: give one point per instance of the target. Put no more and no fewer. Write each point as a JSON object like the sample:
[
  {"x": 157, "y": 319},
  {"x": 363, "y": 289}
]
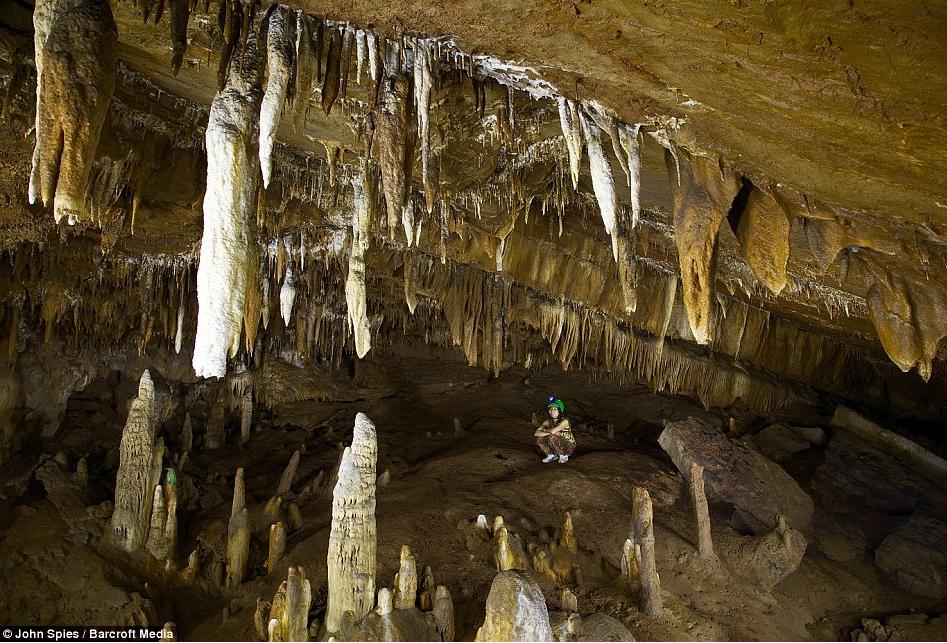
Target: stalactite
[
  {"x": 703, "y": 193},
  {"x": 229, "y": 206},
  {"x": 77, "y": 76},
  {"x": 423, "y": 84},
  {"x": 628, "y": 136},
  {"x": 246, "y": 415},
  {"x": 391, "y": 138},
  {"x": 352, "y": 539},
  {"x": 572, "y": 133},
  {"x": 304, "y": 68},
  {"x": 356, "y": 298},
  {"x": 763, "y": 232},
  {"x": 287, "y": 295},
  {"x": 603, "y": 184},
  {"x": 179, "y": 328},
  {"x": 332, "y": 81},
  {"x": 374, "y": 59},
  {"x": 180, "y": 15},
  {"x": 280, "y": 45}
]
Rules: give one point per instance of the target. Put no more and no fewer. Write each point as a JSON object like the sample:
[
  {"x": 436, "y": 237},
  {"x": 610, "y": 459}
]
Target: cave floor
[{"x": 58, "y": 567}]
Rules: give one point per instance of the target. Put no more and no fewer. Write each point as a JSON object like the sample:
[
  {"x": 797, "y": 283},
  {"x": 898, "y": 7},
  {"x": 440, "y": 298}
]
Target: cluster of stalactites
[{"x": 76, "y": 44}]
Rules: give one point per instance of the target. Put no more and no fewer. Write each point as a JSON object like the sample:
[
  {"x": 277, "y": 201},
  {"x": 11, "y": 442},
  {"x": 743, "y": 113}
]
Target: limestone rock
[
  {"x": 734, "y": 473},
  {"x": 238, "y": 534},
  {"x": 516, "y": 610},
  {"x": 406, "y": 580},
  {"x": 352, "y": 540},
  {"x": 914, "y": 556},
  {"x": 768, "y": 559},
  {"x": 602, "y": 627},
  {"x": 779, "y": 441}
]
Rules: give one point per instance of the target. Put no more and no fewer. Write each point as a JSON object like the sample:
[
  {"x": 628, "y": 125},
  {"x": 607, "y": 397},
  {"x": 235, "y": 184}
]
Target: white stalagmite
[
  {"x": 356, "y": 298},
  {"x": 280, "y": 46},
  {"x": 628, "y": 135},
  {"x": 569, "y": 121},
  {"x": 603, "y": 184},
  {"x": 139, "y": 469},
  {"x": 229, "y": 213},
  {"x": 287, "y": 295},
  {"x": 352, "y": 540}
]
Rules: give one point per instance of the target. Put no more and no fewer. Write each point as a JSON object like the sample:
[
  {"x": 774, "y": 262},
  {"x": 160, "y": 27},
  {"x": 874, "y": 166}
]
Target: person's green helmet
[{"x": 554, "y": 401}]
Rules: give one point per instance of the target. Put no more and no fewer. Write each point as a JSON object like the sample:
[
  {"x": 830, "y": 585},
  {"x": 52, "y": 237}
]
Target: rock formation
[
  {"x": 642, "y": 527},
  {"x": 406, "y": 581},
  {"x": 705, "y": 543},
  {"x": 140, "y": 467},
  {"x": 238, "y": 534},
  {"x": 352, "y": 540},
  {"x": 516, "y": 610}
]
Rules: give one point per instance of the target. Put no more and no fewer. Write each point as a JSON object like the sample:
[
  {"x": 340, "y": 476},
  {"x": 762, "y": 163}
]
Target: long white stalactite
[
  {"x": 603, "y": 184},
  {"x": 229, "y": 214},
  {"x": 571, "y": 132},
  {"x": 280, "y": 46}
]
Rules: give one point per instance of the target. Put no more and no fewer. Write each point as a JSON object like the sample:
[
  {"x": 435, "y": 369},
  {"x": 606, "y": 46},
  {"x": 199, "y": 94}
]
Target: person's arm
[
  {"x": 542, "y": 430},
  {"x": 561, "y": 426}
]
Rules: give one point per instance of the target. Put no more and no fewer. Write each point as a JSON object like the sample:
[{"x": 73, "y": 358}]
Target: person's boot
[
  {"x": 563, "y": 459},
  {"x": 549, "y": 457}
]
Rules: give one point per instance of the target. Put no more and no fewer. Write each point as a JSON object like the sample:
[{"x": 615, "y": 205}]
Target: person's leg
[
  {"x": 545, "y": 444},
  {"x": 564, "y": 448}
]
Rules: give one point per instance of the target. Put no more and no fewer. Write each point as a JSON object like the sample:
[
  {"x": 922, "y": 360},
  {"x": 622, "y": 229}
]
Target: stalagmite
[
  {"x": 705, "y": 543},
  {"x": 289, "y": 475},
  {"x": 426, "y": 595},
  {"x": 289, "y": 611},
  {"x": 516, "y": 610},
  {"x": 280, "y": 45},
  {"x": 567, "y": 540},
  {"x": 238, "y": 535},
  {"x": 229, "y": 209},
  {"x": 187, "y": 434},
  {"x": 180, "y": 15},
  {"x": 139, "y": 469},
  {"x": 352, "y": 540},
  {"x": 763, "y": 233},
  {"x": 304, "y": 68},
  {"x": 444, "y": 613},
  {"x": 76, "y": 80},
  {"x": 572, "y": 133},
  {"x": 628, "y": 136},
  {"x": 246, "y": 416},
  {"x": 215, "y": 433},
  {"x": 287, "y": 296},
  {"x": 507, "y": 552},
  {"x": 643, "y": 530},
  {"x": 159, "y": 515},
  {"x": 391, "y": 141},
  {"x": 703, "y": 193},
  {"x": 277, "y": 545},
  {"x": 406, "y": 580},
  {"x": 603, "y": 184},
  {"x": 569, "y": 601}
]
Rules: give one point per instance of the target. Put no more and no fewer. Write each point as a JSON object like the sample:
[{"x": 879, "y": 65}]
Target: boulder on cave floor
[
  {"x": 779, "y": 441},
  {"x": 757, "y": 487},
  {"x": 914, "y": 556}
]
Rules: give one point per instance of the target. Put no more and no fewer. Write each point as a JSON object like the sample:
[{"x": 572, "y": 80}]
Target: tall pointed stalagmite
[
  {"x": 352, "y": 540},
  {"x": 139, "y": 469},
  {"x": 642, "y": 519},
  {"x": 705, "y": 543},
  {"x": 229, "y": 213},
  {"x": 238, "y": 535}
]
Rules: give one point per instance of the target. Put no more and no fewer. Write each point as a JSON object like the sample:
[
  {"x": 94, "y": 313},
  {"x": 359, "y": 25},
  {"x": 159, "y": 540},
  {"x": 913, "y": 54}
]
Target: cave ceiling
[{"x": 793, "y": 203}]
